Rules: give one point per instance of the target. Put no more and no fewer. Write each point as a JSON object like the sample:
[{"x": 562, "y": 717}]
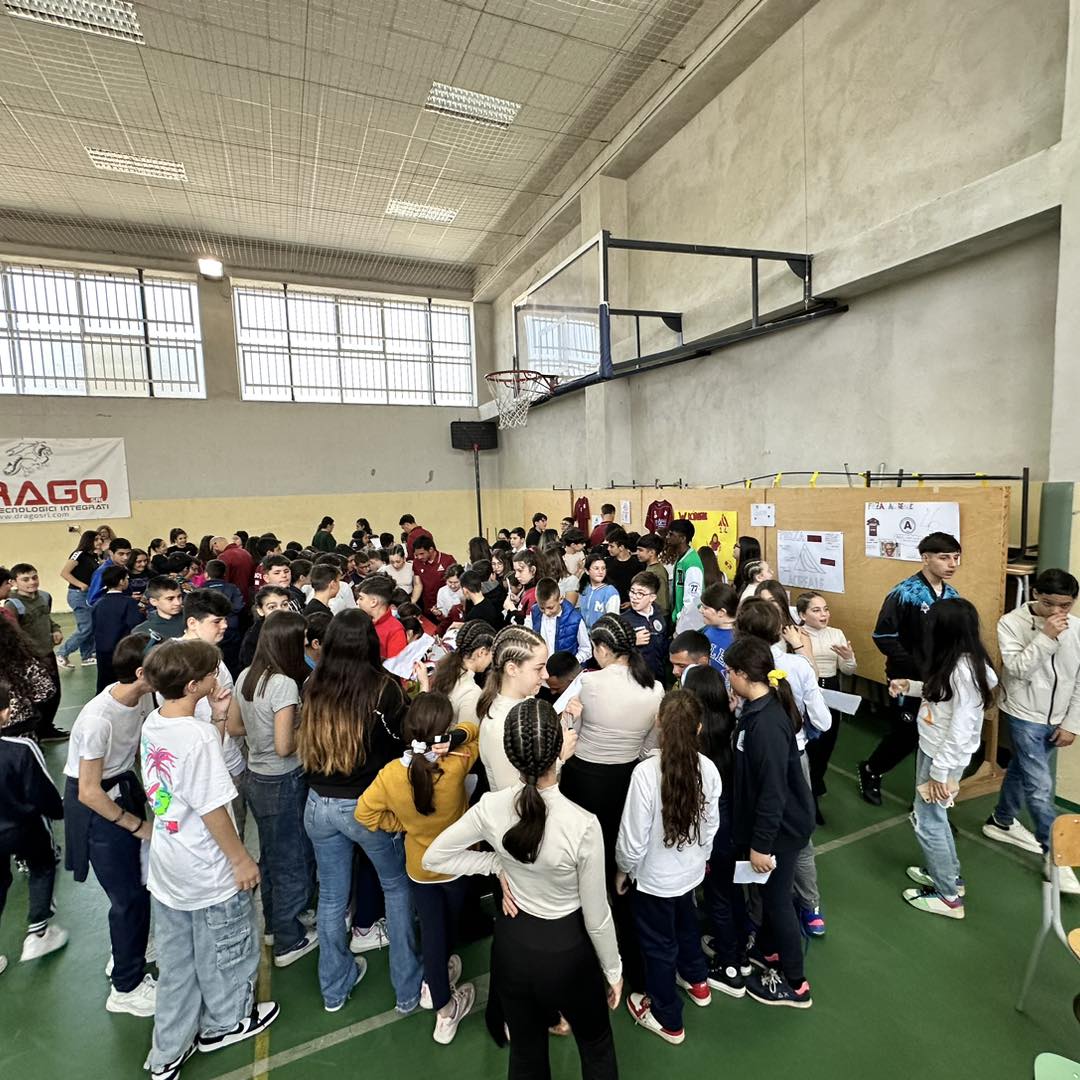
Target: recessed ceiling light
[
  {"x": 412, "y": 211},
  {"x": 211, "y": 268},
  {"x": 113, "y": 18},
  {"x": 138, "y": 166},
  {"x": 469, "y": 105}
]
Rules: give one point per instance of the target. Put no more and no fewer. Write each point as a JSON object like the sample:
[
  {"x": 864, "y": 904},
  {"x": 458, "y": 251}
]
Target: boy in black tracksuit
[
  {"x": 28, "y": 797},
  {"x": 900, "y": 634},
  {"x": 773, "y": 814}
]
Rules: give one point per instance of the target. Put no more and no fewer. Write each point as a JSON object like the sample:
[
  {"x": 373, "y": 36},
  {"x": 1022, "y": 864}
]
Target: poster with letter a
[
  {"x": 894, "y": 529},
  {"x": 718, "y": 529},
  {"x": 810, "y": 560},
  {"x": 44, "y": 479}
]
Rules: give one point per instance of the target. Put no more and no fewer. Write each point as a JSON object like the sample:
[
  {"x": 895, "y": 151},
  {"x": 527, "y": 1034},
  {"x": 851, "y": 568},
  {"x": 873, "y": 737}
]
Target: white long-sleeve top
[
  {"x": 950, "y": 731},
  {"x": 803, "y": 680},
  {"x": 464, "y": 696},
  {"x": 1040, "y": 675},
  {"x": 825, "y": 660},
  {"x": 548, "y": 626},
  {"x": 640, "y": 851},
  {"x": 568, "y": 873},
  {"x": 618, "y": 716}
]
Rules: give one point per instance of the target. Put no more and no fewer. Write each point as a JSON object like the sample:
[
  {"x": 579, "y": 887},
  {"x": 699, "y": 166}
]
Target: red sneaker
[
  {"x": 641, "y": 1010},
  {"x": 699, "y": 992}
]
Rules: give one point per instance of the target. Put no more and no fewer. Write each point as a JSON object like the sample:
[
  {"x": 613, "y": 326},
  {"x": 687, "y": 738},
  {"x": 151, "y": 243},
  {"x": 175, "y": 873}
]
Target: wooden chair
[{"x": 1064, "y": 851}]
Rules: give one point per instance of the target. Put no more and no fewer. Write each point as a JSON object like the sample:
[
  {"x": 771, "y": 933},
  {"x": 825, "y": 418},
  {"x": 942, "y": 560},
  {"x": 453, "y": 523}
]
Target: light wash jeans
[
  {"x": 1030, "y": 777},
  {"x": 933, "y": 833},
  {"x": 208, "y": 960},
  {"x": 333, "y": 830},
  {"x": 83, "y": 637}
]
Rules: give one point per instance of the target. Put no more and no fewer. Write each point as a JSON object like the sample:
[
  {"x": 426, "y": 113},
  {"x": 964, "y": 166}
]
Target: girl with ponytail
[
  {"x": 619, "y": 704},
  {"x": 555, "y": 947},
  {"x": 668, "y": 824},
  {"x": 773, "y": 814},
  {"x": 455, "y": 674},
  {"x": 421, "y": 794},
  {"x": 518, "y": 656}
]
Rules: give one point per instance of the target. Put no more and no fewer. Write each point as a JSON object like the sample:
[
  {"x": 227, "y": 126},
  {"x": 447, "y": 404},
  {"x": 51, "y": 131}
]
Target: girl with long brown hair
[
  {"x": 350, "y": 727},
  {"x": 666, "y": 834},
  {"x": 423, "y": 793},
  {"x": 455, "y": 674}
]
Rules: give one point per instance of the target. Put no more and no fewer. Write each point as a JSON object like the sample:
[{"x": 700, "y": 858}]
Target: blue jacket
[
  {"x": 566, "y": 626},
  {"x": 97, "y": 588},
  {"x": 592, "y": 603},
  {"x": 655, "y": 651}
]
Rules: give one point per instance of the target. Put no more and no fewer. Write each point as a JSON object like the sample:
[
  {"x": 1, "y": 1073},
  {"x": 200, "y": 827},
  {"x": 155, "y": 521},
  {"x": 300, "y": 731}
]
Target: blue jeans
[
  {"x": 83, "y": 638},
  {"x": 333, "y": 831},
  {"x": 1030, "y": 777},
  {"x": 208, "y": 960},
  {"x": 285, "y": 857},
  {"x": 933, "y": 833}
]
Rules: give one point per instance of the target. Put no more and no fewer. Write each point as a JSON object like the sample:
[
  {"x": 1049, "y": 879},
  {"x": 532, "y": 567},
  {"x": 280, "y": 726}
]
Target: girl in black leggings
[{"x": 773, "y": 814}]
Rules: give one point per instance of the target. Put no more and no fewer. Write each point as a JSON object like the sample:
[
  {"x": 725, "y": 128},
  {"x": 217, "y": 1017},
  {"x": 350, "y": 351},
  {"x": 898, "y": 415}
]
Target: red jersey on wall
[
  {"x": 659, "y": 516},
  {"x": 582, "y": 515}
]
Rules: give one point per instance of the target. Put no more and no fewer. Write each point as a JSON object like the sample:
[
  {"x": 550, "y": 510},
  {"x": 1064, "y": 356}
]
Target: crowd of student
[{"x": 610, "y": 730}]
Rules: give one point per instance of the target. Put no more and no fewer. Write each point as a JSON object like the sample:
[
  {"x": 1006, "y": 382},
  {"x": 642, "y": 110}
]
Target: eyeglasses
[{"x": 640, "y": 593}]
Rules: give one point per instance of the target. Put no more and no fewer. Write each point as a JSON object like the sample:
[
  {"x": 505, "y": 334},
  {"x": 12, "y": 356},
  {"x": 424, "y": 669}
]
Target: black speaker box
[{"x": 483, "y": 434}]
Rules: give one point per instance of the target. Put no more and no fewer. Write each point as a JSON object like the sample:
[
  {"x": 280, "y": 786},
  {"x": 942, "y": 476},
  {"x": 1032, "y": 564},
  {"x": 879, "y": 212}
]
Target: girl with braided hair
[
  {"x": 555, "y": 923},
  {"x": 421, "y": 794},
  {"x": 455, "y": 674},
  {"x": 671, "y": 815},
  {"x": 772, "y": 815},
  {"x": 518, "y": 656}
]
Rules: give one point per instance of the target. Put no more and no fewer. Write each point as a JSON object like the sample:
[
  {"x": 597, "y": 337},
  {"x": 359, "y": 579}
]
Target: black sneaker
[
  {"x": 869, "y": 784},
  {"x": 727, "y": 980},
  {"x": 53, "y": 734},
  {"x": 172, "y": 1070},
  {"x": 262, "y": 1016},
  {"x": 771, "y": 988}
]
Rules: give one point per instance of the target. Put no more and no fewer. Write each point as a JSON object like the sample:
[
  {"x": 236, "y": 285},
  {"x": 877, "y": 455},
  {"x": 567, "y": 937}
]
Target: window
[
  {"x": 298, "y": 345},
  {"x": 87, "y": 333}
]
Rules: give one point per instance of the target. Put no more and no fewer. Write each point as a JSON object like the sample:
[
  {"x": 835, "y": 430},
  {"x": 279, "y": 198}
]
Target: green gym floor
[{"x": 896, "y": 992}]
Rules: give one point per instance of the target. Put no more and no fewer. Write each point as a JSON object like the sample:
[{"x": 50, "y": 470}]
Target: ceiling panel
[{"x": 298, "y": 121}]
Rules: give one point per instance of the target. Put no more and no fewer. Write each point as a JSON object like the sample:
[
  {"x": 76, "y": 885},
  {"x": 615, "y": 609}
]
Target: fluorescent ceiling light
[
  {"x": 138, "y": 166},
  {"x": 441, "y": 215},
  {"x": 113, "y": 18},
  {"x": 469, "y": 105},
  {"x": 211, "y": 268}
]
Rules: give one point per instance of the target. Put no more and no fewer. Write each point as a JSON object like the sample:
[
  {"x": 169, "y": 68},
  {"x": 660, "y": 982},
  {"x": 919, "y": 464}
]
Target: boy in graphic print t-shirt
[{"x": 200, "y": 876}]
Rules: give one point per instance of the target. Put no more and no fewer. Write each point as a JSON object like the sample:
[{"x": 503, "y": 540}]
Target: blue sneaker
[{"x": 812, "y": 921}]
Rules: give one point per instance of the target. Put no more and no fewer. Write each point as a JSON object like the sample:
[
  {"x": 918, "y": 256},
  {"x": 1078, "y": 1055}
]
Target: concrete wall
[{"x": 949, "y": 371}]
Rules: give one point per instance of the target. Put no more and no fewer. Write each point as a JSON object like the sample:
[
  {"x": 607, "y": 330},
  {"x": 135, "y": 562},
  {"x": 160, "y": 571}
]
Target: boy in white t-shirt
[
  {"x": 200, "y": 877},
  {"x": 105, "y": 819}
]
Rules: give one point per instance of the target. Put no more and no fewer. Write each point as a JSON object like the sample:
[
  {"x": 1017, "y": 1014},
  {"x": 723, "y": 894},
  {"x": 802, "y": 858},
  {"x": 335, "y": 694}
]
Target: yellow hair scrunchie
[{"x": 775, "y": 676}]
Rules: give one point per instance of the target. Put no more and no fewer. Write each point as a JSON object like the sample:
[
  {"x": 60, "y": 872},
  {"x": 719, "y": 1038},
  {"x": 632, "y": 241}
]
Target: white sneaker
[
  {"x": 38, "y": 945},
  {"x": 63, "y": 663},
  {"x": 151, "y": 957},
  {"x": 1014, "y": 834},
  {"x": 307, "y": 918},
  {"x": 91, "y": 662},
  {"x": 375, "y": 937},
  {"x": 308, "y": 943},
  {"x": 3, "y": 964},
  {"x": 453, "y": 969},
  {"x": 1066, "y": 876},
  {"x": 461, "y": 1001},
  {"x": 138, "y": 1002}
]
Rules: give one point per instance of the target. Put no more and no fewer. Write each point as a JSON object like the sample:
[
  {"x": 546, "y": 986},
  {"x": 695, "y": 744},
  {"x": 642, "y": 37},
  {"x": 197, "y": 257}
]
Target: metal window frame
[
  {"x": 81, "y": 277},
  {"x": 381, "y": 354}
]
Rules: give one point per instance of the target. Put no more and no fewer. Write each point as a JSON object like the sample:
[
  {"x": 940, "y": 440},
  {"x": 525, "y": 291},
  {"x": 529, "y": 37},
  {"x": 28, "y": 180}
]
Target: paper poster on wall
[
  {"x": 894, "y": 529},
  {"x": 718, "y": 529},
  {"x": 810, "y": 560},
  {"x": 44, "y": 479},
  {"x": 763, "y": 515},
  {"x": 624, "y": 511}
]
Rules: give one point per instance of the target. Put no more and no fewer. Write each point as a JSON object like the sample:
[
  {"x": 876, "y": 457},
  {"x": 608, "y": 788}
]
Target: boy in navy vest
[{"x": 558, "y": 622}]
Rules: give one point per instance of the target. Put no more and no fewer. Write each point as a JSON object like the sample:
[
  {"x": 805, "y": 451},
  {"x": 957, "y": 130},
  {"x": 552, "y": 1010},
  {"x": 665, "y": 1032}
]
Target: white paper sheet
[
  {"x": 763, "y": 515},
  {"x": 894, "y": 529},
  {"x": 402, "y": 664},
  {"x": 745, "y": 874},
  {"x": 811, "y": 560},
  {"x": 848, "y": 704},
  {"x": 571, "y": 691}
]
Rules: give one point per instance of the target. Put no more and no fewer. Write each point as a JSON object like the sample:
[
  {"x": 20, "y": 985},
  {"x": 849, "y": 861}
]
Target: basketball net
[{"x": 516, "y": 391}]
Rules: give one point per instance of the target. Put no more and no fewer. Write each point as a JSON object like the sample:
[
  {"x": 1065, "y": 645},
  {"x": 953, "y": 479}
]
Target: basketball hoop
[{"x": 515, "y": 391}]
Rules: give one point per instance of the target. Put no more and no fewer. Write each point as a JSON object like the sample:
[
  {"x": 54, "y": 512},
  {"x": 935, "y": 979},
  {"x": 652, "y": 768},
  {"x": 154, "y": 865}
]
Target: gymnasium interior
[{"x": 775, "y": 262}]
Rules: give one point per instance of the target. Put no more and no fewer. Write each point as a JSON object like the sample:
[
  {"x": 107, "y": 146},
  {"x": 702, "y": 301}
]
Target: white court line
[
  {"x": 335, "y": 1038},
  {"x": 861, "y": 834}
]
